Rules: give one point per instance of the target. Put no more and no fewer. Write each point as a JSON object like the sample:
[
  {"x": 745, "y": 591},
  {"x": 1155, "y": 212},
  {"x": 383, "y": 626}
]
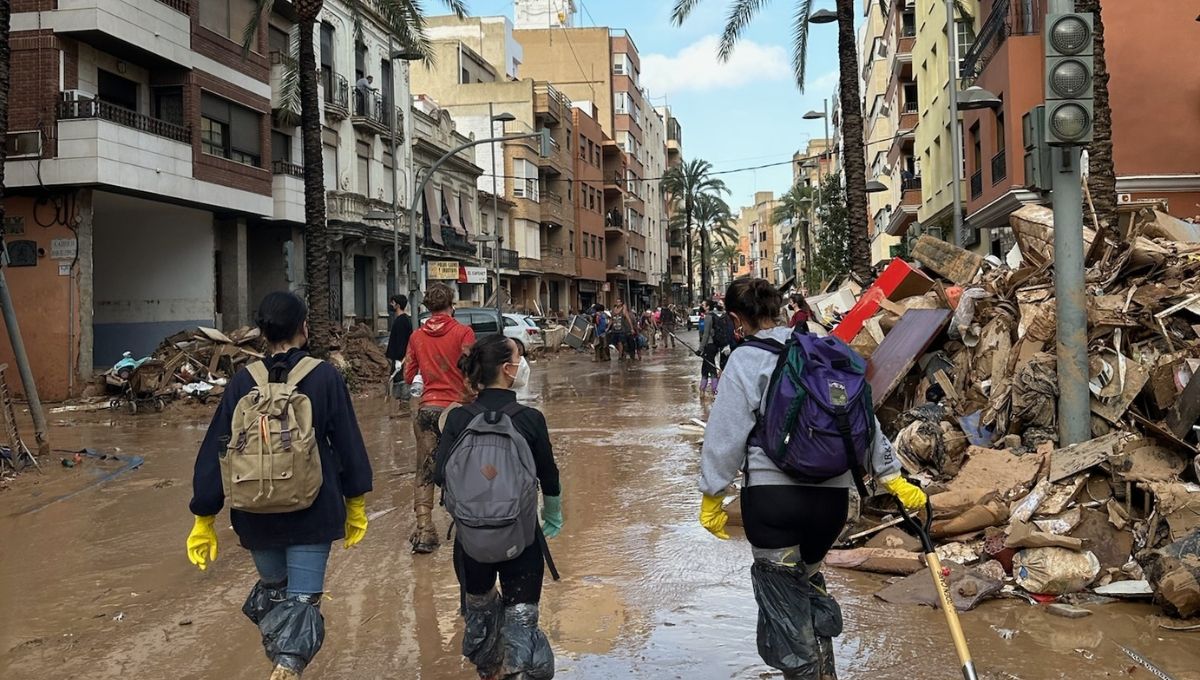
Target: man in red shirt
[{"x": 433, "y": 352}]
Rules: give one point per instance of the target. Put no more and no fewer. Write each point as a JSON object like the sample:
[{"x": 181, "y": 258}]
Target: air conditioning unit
[
  {"x": 77, "y": 95},
  {"x": 22, "y": 144},
  {"x": 885, "y": 110}
]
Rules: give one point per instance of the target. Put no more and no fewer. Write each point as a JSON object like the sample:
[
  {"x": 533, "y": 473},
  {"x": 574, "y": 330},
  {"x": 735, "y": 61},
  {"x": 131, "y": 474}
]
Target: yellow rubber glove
[
  {"x": 713, "y": 516},
  {"x": 356, "y": 520},
  {"x": 910, "y": 495},
  {"x": 202, "y": 542}
]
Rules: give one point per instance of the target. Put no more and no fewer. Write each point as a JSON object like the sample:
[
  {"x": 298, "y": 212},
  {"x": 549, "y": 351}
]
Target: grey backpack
[{"x": 491, "y": 486}]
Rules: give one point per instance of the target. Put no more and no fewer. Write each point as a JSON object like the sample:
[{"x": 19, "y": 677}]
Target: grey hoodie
[{"x": 743, "y": 395}]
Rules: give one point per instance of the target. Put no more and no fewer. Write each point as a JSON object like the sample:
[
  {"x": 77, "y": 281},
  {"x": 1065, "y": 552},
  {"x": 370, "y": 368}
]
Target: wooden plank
[
  {"x": 948, "y": 260},
  {"x": 899, "y": 351},
  {"x": 1076, "y": 458}
]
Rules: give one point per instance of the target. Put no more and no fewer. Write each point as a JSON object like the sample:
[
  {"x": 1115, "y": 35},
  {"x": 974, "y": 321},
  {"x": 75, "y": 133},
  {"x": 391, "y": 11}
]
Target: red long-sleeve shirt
[{"x": 433, "y": 351}]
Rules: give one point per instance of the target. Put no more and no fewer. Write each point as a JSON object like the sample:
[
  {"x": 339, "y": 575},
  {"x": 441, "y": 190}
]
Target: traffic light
[
  {"x": 1069, "y": 71},
  {"x": 1037, "y": 153}
]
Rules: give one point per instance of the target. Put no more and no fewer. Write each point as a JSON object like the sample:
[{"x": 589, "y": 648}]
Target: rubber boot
[
  {"x": 292, "y": 634},
  {"x": 424, "y": 538},
  {"x": 715, "y": 382}
]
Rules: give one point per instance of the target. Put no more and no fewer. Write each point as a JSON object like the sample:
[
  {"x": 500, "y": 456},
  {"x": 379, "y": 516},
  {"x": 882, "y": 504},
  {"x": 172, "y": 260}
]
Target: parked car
[
  {"x": 520, "y": 327},
  {"x": 694, "y": 319}
]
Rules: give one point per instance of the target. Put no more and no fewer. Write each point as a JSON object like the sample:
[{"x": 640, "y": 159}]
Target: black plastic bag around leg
[
  {"x": 293, "y": 633},
  {"x": 786, "y": 639},
  {"x": 262, "y": 599},
  {"x": 827, "y": 624},
  {"x": 484, "y": 617},
  {"x": 527, "y": 653}
]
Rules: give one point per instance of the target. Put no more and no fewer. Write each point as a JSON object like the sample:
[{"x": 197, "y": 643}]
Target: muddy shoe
[
  {"x": 424, "y": 540},
  {"x": 284, "y": 673}
]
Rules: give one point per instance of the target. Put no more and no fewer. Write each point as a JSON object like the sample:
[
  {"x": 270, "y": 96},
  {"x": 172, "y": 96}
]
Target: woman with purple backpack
[{"x": 797, "y": 484}]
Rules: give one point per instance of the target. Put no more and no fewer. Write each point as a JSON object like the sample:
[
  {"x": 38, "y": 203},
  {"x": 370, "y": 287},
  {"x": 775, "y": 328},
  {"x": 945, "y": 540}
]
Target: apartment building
[
  {"x": 759, "y": 239},
  {"x": 677, "y": 268},
  {"x": 931, "y": 61},
  {"x": 654, "y": 164},
  {"x": 602, "y": 66},
  {"x": 1153, "y": 117},
  {"x": 885, "y": 84},
  {"x": 590, "y": 245},
  {"x": 473, "y": 77}
]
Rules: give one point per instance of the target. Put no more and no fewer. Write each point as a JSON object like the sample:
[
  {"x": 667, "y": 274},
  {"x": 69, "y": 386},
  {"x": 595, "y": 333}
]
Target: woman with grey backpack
[
  {"x": 493, "y": 455},
  {"x": 285, "y": 453}
]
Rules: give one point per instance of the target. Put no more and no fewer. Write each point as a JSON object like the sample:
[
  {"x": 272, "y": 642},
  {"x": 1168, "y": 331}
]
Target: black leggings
[
  {"x": 708, "y": 366},
  {"x": 811, "y": 517},
  {"x": 520, "y": 577}
]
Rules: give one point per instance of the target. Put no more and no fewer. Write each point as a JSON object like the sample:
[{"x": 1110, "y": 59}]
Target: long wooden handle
[{"x": 956, "y": 633}]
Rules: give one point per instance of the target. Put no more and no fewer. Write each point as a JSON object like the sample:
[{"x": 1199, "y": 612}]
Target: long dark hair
[
  {"x": 280, "y": 316},
  {"x": 482, "y": 365},
  {"x": 755, "y": 301}
]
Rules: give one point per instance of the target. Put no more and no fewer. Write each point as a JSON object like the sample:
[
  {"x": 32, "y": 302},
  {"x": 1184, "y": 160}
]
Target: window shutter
[{"x": 244, "y": 130}]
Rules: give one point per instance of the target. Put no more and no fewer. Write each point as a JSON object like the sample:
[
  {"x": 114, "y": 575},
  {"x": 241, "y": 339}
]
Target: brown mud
[{"x": 97, "y": 585}]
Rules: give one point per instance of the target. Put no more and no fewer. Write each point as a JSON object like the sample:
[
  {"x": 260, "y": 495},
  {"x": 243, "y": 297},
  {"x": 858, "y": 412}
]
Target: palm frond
[
  {"x": 962, "y": 10},
  {"x": 800, "y": 42},
  {"x": 683, "y": 8},
  {"x": 250, "y": 30},
  {"x": 288, "y": 114},
  {"x": 740, "y": 14},
  {"x": 883, "y": 8}
]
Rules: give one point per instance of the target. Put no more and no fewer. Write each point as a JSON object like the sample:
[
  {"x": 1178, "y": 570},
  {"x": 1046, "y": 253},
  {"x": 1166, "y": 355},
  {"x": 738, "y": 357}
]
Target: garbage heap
[
  {"x": 198, "y": 363},
  {"x": 962, "y": 365}
]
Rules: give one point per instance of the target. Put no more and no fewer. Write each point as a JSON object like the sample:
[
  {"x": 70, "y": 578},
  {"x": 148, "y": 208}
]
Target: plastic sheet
[
  {"x": 526, "y": 649},
  {"x": 792, "y": 615},
  {"x": 293, "y": 628},
  {"x": 484, "y": 615},
  {"x": 262, "y": 599}
]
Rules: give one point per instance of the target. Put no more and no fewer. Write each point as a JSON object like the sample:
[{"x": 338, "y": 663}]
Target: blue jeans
[{"x": 302, "y": 565}]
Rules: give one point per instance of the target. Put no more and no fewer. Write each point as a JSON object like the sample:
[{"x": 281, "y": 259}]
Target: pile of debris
[
  {"x": 360, "y": 357},
  {"x": 963, "y": 370},
  {"x": 199, "y": 363}
]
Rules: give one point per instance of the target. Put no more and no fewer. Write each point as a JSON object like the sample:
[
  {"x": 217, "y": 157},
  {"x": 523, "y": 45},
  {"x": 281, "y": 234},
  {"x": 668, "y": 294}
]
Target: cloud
[
  {"x": 696, "y": 67},
  {"x": 823, "y": 85}
]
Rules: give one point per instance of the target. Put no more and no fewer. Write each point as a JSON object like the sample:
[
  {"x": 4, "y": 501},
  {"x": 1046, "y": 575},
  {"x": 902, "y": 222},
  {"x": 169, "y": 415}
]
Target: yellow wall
[
  {"x": 879, "y": 129},
  {"x": 579, "y": 65}
]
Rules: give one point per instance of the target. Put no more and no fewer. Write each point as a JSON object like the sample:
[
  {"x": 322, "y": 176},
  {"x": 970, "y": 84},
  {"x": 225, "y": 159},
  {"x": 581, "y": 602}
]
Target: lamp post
[
  {"x": 407, "y": 57},
  {"x": 494, "y": 118}
]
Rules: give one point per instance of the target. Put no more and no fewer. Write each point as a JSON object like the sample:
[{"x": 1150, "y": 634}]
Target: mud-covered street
[{"x": 96, "y": 584}]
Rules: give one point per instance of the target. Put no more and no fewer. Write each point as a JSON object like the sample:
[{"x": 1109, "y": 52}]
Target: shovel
[
  {"x": 694, "y": 351},
  {"x": 943, "y": 590}
]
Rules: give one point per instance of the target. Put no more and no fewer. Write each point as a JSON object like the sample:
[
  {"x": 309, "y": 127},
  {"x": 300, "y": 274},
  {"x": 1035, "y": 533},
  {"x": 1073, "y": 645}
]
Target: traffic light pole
[{"x": 1074, "y": 400}]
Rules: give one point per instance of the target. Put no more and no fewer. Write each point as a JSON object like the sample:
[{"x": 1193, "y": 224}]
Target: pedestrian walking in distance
[
  {"x": 667, "y": 323},
  {"x": 401, "y": 331},
  {"x": 600, "y": 320},
  {"x": 493, "y": 456},
  {"x": 434, "y": 351},
  {"x": 285, "y": 453},
  {"x": 797, "y": 485},
  {"x": 710, "y": 347}
]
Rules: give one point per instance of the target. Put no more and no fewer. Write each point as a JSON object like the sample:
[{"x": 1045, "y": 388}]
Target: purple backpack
[{"x": 819, "y": 421}]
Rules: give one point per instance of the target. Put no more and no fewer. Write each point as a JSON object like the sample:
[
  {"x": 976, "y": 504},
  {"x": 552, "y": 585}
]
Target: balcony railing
[
  {"x": 910, "y": 183},
  {"x": 338, "y": 100},
  {"x": 977, "y": 184},
  {"x": 999, "y": 166},
  {"x": 286, "y": 168},
  {"x": 371, "y": 109},
  {"x": 552, "y": 251},
  {"x": 509, "y": 259},
  {"x": 911, "y": 107},
  {"x": 1025, "y": 17},
  {"x": 180, "y": 6},
  {"x": 74, "y": 107}
]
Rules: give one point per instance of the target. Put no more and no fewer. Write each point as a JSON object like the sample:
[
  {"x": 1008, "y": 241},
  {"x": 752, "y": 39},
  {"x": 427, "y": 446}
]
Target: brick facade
[{"x": 34, "y": 74}]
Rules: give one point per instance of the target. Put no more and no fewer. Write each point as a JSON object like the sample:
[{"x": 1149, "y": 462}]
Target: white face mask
[{"x": 521, "y": 379}]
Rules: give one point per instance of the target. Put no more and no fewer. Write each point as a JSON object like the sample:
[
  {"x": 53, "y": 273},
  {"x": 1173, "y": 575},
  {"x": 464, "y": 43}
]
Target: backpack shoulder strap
[
  {"x": 301, "y": 370},
  {"x": 512, "y": 409},
  {"x": 769, "y": 344},
  {"x": 258, "y": 371}
]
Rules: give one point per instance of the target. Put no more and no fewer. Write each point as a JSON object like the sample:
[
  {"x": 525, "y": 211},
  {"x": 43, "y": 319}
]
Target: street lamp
[
  {"x": 493, "y": 118},
  {"x": 822, "y": 16},
  {"x": 497, "y": 239},
  {"x": 975, "y": 98},
  {"x": 875, "y": 187},
  {"x": 407, "y": 56}
]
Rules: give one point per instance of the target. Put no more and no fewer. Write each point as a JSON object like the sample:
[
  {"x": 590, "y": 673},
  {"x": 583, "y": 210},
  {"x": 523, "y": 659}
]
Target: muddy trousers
[
  {"x": 424, "y": 537},
  {"x": 502, "y": 637},
  {"x": 790, "y": 529},
  {"x": 285, "y": 603}
]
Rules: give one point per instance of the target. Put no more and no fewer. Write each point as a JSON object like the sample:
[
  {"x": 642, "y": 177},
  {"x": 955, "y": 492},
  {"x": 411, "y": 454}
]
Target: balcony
[
  {"x": 1006, "y": 19},
  {"x": 977, "y": 184},
  {"x": 337, "y": 96},
  {"x": 910, "y": 191},
  {"x": 554, "y": 261},
  {"x": 510, "y": 260},
  {"x": 286, "y": 168},
  {"x": 279, "y": 68},
  {"x": 909, "y": 116},
  {"x": 549, "y": 102},
  {"x": 141, "y": 32},
  {"x": 999, "y": 167},
  {"x": 370, "y": 112},
  {"x": 616, "y": 182},
  {"x": 74, "y": 107},
  {"x": 553, "y": 210},
  {"x": 287, "y": 189},
  {"x": 614, "y": 224}
]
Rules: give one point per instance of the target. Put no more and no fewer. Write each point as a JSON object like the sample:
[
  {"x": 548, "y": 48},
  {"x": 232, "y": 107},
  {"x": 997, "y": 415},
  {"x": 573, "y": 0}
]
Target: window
[
  {"x": 363, "y": 150},
  {"x": 281, "y": 147},
  {"x": 360, "y": 61},
  {"x": 329, "y": 165},
  {"x": 908, "y": 25},
  {"x": 623, "y": 103},
  {"x": 525, "y": 180},
  {"x": 1000, "y": 130},
  {"x": 964, "y": 38},
  {"x": 571, "y": 240},
  {"x": 278, "y": 40},
  {"x": 464, "y": 77},
  {"x": 227, "y": 17},
  {"x": 167, "y": 103},
  {"x": 622, "y": 66},
  {"x": 230, "y": 131},
  {"x": 113, "y": 89},
  {"x": 327, "y": 58},
  {"x": 976, "y": 147}
]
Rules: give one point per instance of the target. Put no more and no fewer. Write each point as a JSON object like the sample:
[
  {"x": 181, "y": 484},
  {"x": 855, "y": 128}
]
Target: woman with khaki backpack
[
  {"x": 495, "y": 513},
  {"x": 284, "y": 452}
]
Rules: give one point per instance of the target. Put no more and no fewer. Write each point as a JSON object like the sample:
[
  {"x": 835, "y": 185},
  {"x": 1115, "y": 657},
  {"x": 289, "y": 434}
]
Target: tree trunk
[
  {"x": 1102, "y": 176},
  {"x": 687, "y": 215},
  {"x": 316, "y": 238},
  {"x": 705, "y": 266},
  {"x": 853, "y": 155},
  {"x": 5, "y": 81}
]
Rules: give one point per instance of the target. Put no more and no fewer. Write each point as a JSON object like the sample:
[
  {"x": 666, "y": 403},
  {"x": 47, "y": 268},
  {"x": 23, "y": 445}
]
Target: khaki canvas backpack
[{"x": 272, "y": 463}]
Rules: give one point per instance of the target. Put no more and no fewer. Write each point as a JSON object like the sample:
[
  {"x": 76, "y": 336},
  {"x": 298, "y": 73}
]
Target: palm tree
[
  {"x": 741, "y": 12},
  {"x": 1102, "y": 176},
  {"x": 727, "y": 255},
  {"x": 406, "y": 20},
  {"x": 794, "y": 206},
  {"x": 684, "y": 183}
]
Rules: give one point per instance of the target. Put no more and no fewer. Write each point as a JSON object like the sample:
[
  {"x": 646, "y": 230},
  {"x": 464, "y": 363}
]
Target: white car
[
  {"x": 694, "y": 318},
  {"x": 522, "y": 329}
]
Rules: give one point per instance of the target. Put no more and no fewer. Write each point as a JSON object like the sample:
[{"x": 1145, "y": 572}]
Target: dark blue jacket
[{"x": 345, "y": 468}]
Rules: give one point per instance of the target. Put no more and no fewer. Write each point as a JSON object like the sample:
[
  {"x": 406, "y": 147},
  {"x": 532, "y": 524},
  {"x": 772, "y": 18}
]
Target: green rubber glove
[
  {"x": 552, "y": 517},
  {"x": 713, "y": 516},
  {"x": 910, "y": 495},
  {"x": 202, "y": 542},
  {"x": 356, "y": 520}
]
